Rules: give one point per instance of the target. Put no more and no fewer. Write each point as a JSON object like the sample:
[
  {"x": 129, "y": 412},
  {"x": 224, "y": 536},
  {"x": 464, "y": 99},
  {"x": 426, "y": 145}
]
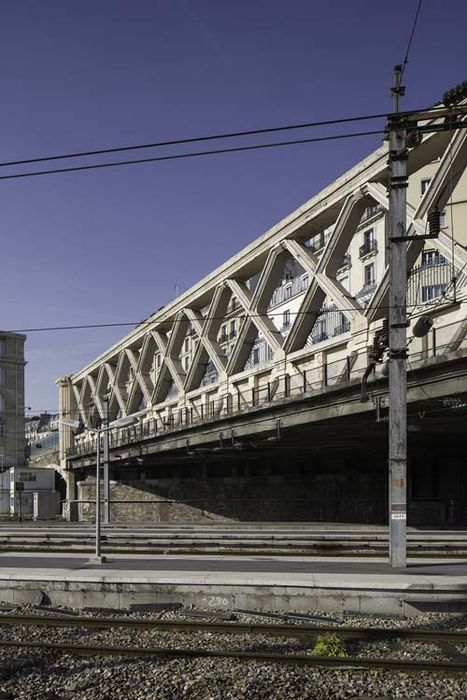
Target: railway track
[
  {"x": 285, "y": 541},
  {"x": 447, "y": 640}
]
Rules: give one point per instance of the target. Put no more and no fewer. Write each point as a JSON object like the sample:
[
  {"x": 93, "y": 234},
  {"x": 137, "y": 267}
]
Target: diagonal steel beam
[{"x": 448, "y": 174}]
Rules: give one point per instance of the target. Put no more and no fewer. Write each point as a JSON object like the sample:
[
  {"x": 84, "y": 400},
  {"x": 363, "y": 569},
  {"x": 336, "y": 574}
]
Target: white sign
[{"x": 398, "y": 516}]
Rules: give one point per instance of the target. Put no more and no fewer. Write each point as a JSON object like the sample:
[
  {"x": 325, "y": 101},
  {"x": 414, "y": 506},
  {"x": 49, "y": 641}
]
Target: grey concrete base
[
  {"x": 97, "y": 559},
  {"x": 121, "y": 595},
  {"x": 223, "y": 582}
]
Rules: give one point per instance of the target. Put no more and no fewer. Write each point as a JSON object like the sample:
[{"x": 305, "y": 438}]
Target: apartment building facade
[{"x": 12, "y": 430}]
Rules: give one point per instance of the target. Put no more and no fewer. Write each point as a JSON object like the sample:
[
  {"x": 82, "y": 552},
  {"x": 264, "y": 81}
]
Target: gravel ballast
[{"x": 53, "y": 675}]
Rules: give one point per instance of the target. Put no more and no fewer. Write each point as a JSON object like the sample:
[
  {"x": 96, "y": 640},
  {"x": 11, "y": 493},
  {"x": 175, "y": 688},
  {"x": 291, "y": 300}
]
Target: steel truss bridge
[{"x": 177, "y": 409}]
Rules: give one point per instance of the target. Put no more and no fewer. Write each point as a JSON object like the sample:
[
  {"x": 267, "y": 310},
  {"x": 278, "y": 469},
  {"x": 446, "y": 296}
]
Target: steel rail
[
  {"x": 287, "y": 630},
  {"x": 268, "y": 657}
]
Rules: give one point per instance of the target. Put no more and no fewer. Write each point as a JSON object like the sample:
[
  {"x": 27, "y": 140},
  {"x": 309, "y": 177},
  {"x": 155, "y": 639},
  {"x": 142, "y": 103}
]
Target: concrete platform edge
[{"x": 122, "y": 594}]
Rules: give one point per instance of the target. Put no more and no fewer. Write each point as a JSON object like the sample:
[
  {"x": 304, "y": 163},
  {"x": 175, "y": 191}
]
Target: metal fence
[
  {"x": 429, "y": 282},
  {"x": 308, "y": 382}
]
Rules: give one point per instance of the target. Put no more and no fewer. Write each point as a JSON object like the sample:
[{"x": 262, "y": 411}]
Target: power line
[
  {"x": 242, "y": 314},
  {"x": 197, "y": 139},
  {"x": 195, "y": 154},
  {"x": 219, "y": 151},
  {"x": 414, "y": 25}
]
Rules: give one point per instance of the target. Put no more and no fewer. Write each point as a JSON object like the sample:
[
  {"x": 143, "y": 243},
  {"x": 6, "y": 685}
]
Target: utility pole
[
  {"x": 397, "y": 331},
  {"x": 105, "y": 455}
]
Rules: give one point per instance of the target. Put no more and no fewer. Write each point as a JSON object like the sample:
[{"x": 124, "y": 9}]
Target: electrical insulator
[
  {"x": 458, "y": 93},
  {"x": 422, "y": 326},
  {"x": 434, "y": 222},
  {"x": 385, "y": 330},
  {"x": 414, "y": 138}
]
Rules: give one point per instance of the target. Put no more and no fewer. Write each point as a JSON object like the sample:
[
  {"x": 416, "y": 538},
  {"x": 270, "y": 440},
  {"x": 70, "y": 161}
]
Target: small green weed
[{"x": 329, "y": 644}]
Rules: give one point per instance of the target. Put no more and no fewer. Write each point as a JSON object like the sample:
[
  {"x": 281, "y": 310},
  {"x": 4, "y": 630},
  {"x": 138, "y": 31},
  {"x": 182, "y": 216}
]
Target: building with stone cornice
[{"x": 12, "y": 437}]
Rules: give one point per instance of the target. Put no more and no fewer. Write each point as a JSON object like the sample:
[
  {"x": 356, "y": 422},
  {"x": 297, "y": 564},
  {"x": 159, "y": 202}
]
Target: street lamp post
[{"x": 98, "y": 558}]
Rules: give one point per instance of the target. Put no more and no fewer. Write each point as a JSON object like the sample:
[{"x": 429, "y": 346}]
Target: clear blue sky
[{"x": 110, "y": 245}]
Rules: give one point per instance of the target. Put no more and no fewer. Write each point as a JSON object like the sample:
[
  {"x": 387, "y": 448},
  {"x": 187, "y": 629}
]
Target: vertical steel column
[
  {"x": 397, "y": 334},
  {"x": 105, "y": 432},
  {"x": 97, "y": 552}
]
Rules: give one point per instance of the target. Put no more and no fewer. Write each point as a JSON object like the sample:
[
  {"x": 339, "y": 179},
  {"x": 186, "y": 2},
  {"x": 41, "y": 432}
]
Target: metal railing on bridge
[{"x": 285, "y": 387}]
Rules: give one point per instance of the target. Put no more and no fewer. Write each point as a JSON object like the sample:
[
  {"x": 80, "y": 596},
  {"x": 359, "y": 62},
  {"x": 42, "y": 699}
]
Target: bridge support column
[{"x": 70, "y": 507}]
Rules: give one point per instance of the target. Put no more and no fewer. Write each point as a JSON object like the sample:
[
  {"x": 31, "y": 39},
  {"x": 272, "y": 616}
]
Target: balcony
[
  {"x": 346, "y": 262},
  {"x": 365, "y": 294},
  {"x": 367, "y": 248},
  {"x": 431, "y": 281},
  {"x": 370, "y": 212}
]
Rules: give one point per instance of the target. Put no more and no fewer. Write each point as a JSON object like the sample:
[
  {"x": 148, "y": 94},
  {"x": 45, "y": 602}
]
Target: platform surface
[{"x": 300, "y": 571}]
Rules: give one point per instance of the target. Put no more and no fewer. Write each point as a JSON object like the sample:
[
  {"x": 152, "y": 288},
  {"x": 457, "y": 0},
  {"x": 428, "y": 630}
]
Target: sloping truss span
[
  {"x": 171, "y": 368},
  {"x": 142, "y": 364},
  {"x": 448, "y": 173},
  {"x": 254, "y": 307},
  {"x": 207, "y": 329},
  {"x": 322, "y": 273},
  {"x": 103, "y": 387},
  {"x": 84, "y": 394},
  {"x": 131, "y": 377}
]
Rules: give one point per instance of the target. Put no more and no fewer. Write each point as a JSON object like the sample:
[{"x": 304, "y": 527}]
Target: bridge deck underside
[{"x": 334, "y": 469}]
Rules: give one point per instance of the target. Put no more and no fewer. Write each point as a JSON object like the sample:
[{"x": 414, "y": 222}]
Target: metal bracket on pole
[{"x": 417, "y": 237}]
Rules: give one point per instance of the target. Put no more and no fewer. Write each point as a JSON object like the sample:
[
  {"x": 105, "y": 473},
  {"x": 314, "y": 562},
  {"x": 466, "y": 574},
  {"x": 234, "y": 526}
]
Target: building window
[
  {"x": 368, "y": 237},
  {"x": 233, "y": 329},
  {"x": 158, "y": 361},
  {"x": 424, "y": 184},
  {"x": 442, "y": 219},
  {"x": 187, "y": 345},
  {"x": 256, "y": 356},
  {"x": 433, "y": 291},
  {"x": 2, "y": 376},
  {"x": 305, "y": 281},
  {"x": 318, "y": 241},
  {"x": 288, "y": 291},
  {"x": 186, "y": 363},
  {"x": 369, "y": 243},
  {"x": 369, "y": 275},
  {"x": 2, "y": 347},
  {"x": 432, "y": 257},
  {"x": 286, "y": 319}
]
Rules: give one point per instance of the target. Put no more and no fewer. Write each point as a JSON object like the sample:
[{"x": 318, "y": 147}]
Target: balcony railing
[
  {"x": 370, "y": 212},
  {"x": 365, "y": 294},
  {"x": 367, "y": 248},
  {"x": 428, "y": 282},
  {"x": 346, "y": 262}
]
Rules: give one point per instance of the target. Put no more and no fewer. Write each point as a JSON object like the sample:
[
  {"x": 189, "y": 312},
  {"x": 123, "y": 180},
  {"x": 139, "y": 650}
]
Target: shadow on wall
[{"x": 266, "y": 497}]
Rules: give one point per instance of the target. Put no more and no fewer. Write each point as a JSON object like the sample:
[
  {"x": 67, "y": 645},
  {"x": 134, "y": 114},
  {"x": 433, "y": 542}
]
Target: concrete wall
[{"x": 263, "y": 497}]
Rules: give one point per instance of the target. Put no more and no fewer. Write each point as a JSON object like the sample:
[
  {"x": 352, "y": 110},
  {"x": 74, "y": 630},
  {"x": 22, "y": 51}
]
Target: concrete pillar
[
  {"x": 70, "y": 510},
  {"x": 67, "y": 409}
]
